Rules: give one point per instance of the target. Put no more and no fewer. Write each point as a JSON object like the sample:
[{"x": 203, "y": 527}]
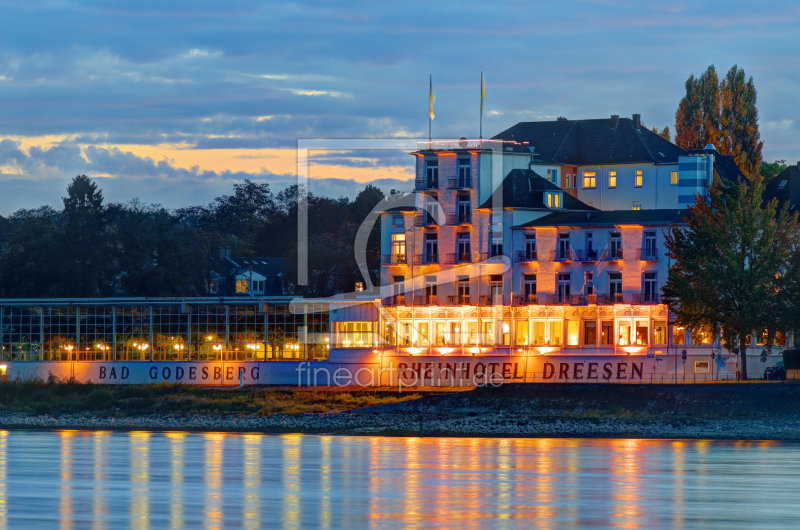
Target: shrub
[{"x": 791, "y": 359}]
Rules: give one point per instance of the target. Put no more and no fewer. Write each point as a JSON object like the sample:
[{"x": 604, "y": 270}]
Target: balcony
[
  {"x": 521, "y": 299},
  {"x": 425, "y": 219},
  {"x": 562, "y": 256},
  {"x": 459, "y": 219},
  {"x": 646, "y": 298},
  {"x": 586, "y": 255},
  {"x": 454, "y": 259},
  {"x": 423, "y": 300},
  {"x": 426, "y": 259},
  {"x": 458, "y": 183},
  {"x": 394, "y": 259},
  {"x": 395, "y": 301},
  {"x": 647, "y": 254},
  {"x": 525, "y": 256},
  {"x": 491, "y": 257},
  {"x": 609, "y": 299},
  {"x": 458, "y": 300},
  {"x": 611, "y": 255},
  {"x": 426, "y": 184}
]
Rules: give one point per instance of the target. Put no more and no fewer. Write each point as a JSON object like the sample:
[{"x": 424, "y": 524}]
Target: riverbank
[{"x": 715, "y": 411}]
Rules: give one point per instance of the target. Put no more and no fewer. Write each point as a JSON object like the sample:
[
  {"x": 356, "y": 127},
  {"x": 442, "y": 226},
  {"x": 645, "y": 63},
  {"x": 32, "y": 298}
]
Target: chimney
[
  {"x": 637, "y": 121},
  {"x": 613, "y": 123}
]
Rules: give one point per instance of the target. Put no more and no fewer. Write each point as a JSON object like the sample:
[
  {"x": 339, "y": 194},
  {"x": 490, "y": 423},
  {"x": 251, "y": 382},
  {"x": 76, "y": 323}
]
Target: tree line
[{"x": 90, "y": 248}]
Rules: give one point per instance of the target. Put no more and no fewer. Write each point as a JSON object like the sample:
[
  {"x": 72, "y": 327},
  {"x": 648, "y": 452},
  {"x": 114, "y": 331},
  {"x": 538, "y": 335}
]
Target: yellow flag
[
  {"x": 483, "y": 90},
  {"x": 431, "y": 98}
]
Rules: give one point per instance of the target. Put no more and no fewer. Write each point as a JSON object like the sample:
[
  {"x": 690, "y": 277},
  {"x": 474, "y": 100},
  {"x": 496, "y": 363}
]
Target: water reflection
[{"x": 179, "y": 480}]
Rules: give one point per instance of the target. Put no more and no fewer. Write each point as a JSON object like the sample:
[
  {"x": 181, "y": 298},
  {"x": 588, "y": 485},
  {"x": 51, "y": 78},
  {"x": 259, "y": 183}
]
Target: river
[{"x": 82, "y": 479}]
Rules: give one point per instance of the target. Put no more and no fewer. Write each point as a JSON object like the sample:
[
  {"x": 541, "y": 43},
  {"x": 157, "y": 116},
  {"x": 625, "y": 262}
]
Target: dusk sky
[{"x": 172, "y": 102}]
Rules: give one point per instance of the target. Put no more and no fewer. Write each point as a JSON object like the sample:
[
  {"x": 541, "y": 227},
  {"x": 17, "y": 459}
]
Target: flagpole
[
  {"x": 430, "y": 120},
  {"x": 481, "y": 127}
]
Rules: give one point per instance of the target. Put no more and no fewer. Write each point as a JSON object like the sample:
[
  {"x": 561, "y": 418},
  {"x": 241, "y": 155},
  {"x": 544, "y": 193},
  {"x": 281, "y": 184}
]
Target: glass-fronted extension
[{"x": 163, "y": 330}]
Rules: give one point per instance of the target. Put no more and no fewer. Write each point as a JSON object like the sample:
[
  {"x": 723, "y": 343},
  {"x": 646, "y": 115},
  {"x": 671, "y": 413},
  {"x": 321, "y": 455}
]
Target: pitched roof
[
  {"x": 724, "y": 165},
  {"x": 591, "y": 142},
  {"x": 524, "y": 188},
  {"x": 609, "y": 218},
  {"x": 789, "y": 192}
]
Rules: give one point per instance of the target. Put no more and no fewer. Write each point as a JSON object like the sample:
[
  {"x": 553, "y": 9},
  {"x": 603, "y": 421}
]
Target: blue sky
[{"x": 173, "y": 101}]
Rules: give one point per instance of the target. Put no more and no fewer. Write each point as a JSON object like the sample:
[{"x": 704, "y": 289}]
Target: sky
[{"x": 173, "y": 102}]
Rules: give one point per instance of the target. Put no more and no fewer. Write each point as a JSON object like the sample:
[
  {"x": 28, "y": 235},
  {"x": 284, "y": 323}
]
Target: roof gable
[{"x": 524, "y": 188}]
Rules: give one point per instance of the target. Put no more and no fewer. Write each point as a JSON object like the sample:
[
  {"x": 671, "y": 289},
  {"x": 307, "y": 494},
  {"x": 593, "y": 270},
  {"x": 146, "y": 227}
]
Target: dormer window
[
  {"x": 553, "y": 199},
  {"x": 782, "y": 184}
]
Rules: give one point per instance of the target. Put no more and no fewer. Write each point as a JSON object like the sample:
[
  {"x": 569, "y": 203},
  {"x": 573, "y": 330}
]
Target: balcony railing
[
  {"x": 394, "y": 259},
  {"x": 647, "y": 254},
  {"x": 458, "y": 183},
  {"x": 525, "y": 256},
  {"x": 609, "y": 299},
  {"x": 562, "y": 256},
  {"x": 522, "y": 299},
  {"x": 394, "y": 301},
  {"x": 646, "y": 298},
  {"x": 586, "y": 255},
  {"x": 491, "y": 257},
  {"x": 426, "y": 300},
  {"x": 611, "y": 255},
  {"x": 457, "y": 300},
  {"x": 426, "y": 184},
  {"x": 426, "y": 259},
  {"x": 453, "y": 259},
  {"x": 459, "y": 219},
  {"x": 425, "y": 219}
]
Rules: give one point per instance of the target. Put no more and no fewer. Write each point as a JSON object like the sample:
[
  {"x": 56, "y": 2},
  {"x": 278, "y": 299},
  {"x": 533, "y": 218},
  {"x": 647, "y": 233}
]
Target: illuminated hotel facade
[{"x": 537, "y": 255}]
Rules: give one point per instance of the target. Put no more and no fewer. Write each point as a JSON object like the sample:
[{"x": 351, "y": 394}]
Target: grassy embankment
[{"x": 39, "y": 397}]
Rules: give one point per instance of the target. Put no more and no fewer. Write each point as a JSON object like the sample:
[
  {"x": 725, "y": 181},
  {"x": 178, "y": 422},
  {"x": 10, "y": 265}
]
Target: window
[
  {"x": 639, "y": 178},
  {"x": 538, "y": 334},
  {"x": 497, "y": 244},
  {"x": 589, "y": 332},
  {"x": 521, "y": 337},
  {"x": 432, "y": 174},
  {"x": 673, "y": 178},
  {"x": 505, "y": 333},
  {"x": 463, "y": 290},
  {"x": 615, "y": 284},
  {"x": 258, "y": 286},
  {"x": 563, "y": 286},
  {"x": 552, "y": 176},
  {"x": 530, "y": 247},
  {"x": 463, "y": 253},
  {"x": 241, "y": 286},
  {"x": 607, "y": 336},
  {"x": 782, "y": 184},
  {"x": 612, "y": 179},
  {"x": 573, "y": 329},
  {"x": 641, "y": 333},
  {"x": 553, "y": 200},
  {"x": 464, "y": 173},
  {"x": 660, "y": 332},
  {"x": 649, "y": 288},
  {"x": 615, "y": 245},
  {"x": 355, "y": 334},
  {"x": 563, "y": 251},
  {"x": 431, "y": 209},
  {"x": 678, "y": 335},
  {"x": 496, "y": 288},
  {"x": 529, "y": 287},
  {"x": 488, "y": 333},
  {"x": 589, "y": 180},
  {"x": 431, "y": 249},
  {"x": 649, "y": 245},
  {"x": 569, "y": 181},
  {"x": 463, "y": 209},
  {"x": 589, "y": 282},
  {"x": 624, "y": 334},
  {"x": 430, "y": 290},
  {"x": 555, "y": 333},
  {"x": 397, "y": 220},
  {"x": 398, "y": 248},
  {"x": 398, "y": 285},
  {"x": 637, "y": 205}
]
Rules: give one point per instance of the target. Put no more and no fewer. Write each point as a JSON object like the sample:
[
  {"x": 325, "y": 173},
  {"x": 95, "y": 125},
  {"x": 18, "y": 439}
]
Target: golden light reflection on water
[
  {"x": 291, "y": 480},
  {"x": 325, "y": 482},
  {"x": 176, "y": 443},
  {"x": 678, "y": 499},
  {"x": 65, "y": 507},
  {"x": 252, "y": 480},
  {"x": 140, "y": 479},
  {"x": 3, "y": 479},
  {"x": 100, "y": 455},
  {"x": 214, "y": 443},
  {"x": 627, "y": 510}
]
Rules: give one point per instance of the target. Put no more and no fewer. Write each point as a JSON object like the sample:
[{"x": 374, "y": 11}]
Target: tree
[
  {"x": 87, "y": 253},
  {"x": 740, "y": 136},
  {"x": 731, "y": 263},
  {"x": 708, "y": 86},
  {"x": 663, "y": 133},
  {"x": 239, "y": 216},
  {"x": 30, "y": 255},
  {"x": 688, "y": 117},
  {"x": 769, "y": 170}
]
